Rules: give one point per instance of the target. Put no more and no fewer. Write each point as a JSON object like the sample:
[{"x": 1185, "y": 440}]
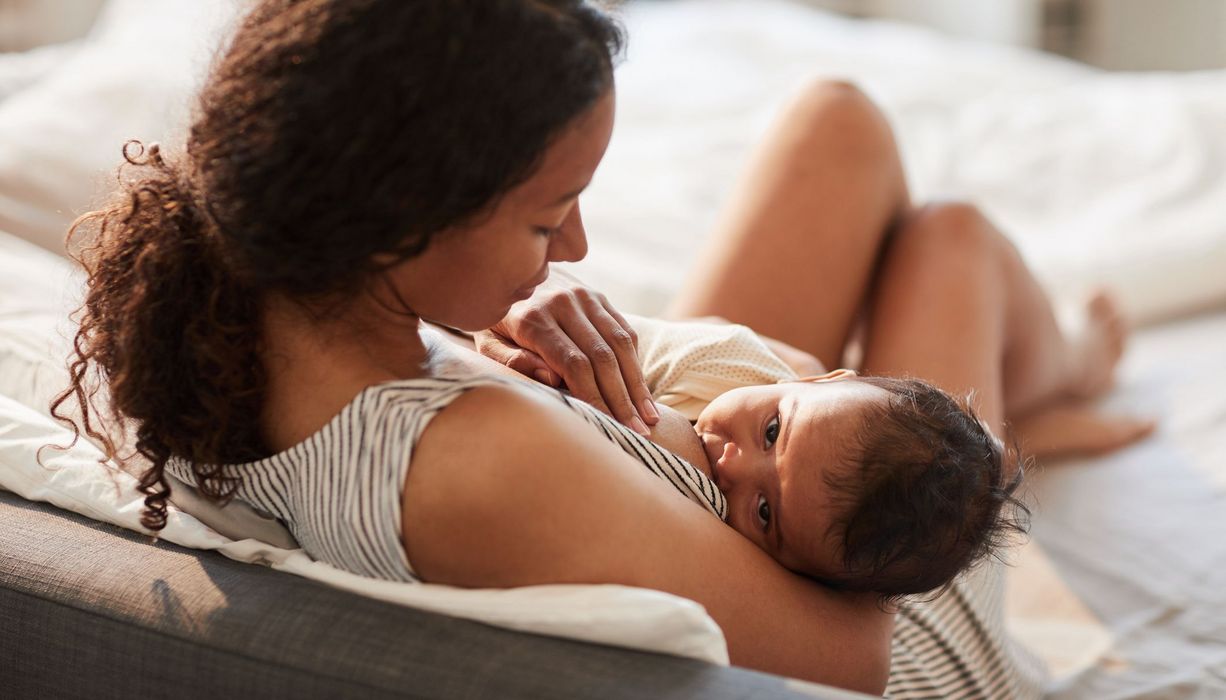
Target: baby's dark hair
[{"x": 931, "y": 494}]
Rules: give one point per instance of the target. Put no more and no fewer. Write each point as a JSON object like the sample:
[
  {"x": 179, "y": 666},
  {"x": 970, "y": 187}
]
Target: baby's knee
[
  {"x": 837, "y": 113},
  {"x": 834, "y": 93},
  {"x": 946, "y": 230}
]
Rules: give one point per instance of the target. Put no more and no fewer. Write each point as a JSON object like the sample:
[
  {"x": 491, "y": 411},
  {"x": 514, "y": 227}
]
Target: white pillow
[
  {"x": 75, "y": 480},
  {"x": 21, "y": 70},
  {"x": 133, "y": 77},
  {"x": 37, "y": 292}
]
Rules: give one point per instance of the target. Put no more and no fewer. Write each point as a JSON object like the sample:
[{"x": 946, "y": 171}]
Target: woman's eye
[
  {"x": 772, "y": 432},
  {"x": 764, "y": 512},
  {"x": 547, "y": 231}
]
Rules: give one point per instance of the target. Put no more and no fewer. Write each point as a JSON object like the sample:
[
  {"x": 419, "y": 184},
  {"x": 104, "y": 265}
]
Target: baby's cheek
[{"x": 746, "y": 532}]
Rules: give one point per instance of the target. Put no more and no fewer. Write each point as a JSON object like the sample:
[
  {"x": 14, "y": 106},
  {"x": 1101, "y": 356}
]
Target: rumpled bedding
[{"x": 1100, "y": 178}]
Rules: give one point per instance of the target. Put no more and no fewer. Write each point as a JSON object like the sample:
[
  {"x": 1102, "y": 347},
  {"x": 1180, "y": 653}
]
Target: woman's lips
[{"x": 526, "y": 291}]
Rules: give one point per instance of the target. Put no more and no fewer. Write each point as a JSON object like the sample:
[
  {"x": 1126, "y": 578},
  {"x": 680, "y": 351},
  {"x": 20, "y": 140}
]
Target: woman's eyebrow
[{"x": 568, "y": 196}]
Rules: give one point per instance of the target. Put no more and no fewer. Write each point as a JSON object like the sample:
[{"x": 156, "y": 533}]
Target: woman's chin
[{"x": 467, "y": 325}]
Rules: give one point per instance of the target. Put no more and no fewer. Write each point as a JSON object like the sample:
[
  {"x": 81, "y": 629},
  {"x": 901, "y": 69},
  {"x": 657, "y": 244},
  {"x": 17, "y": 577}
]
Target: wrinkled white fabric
[{"x": 1100, "y": 178}]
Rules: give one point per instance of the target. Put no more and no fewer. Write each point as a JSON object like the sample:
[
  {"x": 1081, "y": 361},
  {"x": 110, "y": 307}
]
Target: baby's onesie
[{"x": 686, "y": 364}]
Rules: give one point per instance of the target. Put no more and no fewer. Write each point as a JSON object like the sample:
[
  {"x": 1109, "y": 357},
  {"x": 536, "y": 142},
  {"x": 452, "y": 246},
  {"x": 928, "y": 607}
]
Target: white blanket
[{"x": 1100, "y": 178}]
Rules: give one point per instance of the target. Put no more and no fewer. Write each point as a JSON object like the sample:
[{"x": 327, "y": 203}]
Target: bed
[{"x": 1115, "y": 179}]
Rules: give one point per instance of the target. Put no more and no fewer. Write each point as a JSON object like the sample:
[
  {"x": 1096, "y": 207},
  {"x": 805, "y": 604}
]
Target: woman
[{"x": 358, "y": 167}]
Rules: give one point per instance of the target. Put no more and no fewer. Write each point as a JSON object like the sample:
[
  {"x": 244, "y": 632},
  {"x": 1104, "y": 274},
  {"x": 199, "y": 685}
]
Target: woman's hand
[{"x": 569, "y": 335}]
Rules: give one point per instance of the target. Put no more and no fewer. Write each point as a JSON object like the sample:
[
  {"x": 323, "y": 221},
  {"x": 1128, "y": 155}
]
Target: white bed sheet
[
  {"x": 1100, "y": 178},
  {"x": 1138, "y": 539}
]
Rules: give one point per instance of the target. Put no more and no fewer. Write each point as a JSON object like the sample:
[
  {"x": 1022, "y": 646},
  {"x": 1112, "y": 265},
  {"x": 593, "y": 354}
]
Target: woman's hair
[
  {"x": 930, "y": 495},
  {"x": 330, "y": 134}
]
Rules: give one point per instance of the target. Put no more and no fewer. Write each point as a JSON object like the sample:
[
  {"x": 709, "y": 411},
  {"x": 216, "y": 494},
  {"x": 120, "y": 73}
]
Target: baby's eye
[
  {"x": 764, "y": 512},
  {"x": 772, "y": 432}
]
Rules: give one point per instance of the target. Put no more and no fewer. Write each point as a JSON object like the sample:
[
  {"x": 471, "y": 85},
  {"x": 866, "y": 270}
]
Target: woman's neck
[{"x": 317, "y": 365}]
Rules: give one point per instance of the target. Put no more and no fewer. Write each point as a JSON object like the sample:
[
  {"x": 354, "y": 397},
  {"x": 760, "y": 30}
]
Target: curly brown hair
[{"x": 330, "y": 134}]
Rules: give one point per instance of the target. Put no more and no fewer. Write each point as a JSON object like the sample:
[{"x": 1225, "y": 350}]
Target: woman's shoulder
[
  {"x": 480, "y": 409},
  {"x": 427, "y": 396},
  {"x": 538, "y": 497}
]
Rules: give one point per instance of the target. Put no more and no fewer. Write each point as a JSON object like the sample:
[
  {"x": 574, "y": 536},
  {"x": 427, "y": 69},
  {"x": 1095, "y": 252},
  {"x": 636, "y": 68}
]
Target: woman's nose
[{"x": 569, "y": 244}]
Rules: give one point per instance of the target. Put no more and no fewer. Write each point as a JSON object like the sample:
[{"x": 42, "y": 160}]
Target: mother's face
[{"x": 469, "y": 276}]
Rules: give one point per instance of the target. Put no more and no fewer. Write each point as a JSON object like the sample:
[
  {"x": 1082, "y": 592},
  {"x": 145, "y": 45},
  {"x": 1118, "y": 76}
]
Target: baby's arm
[{"x": 801, "y": 362}]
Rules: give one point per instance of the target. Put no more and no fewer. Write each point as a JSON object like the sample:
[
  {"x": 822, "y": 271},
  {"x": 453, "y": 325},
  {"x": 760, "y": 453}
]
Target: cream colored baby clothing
[{"x": 686, "y": 364}]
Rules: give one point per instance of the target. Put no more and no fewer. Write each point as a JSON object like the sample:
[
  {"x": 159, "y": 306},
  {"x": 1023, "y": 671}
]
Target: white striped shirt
[
  {"x": 956, "y": 646},
  {"x": 339, "y": 491}
]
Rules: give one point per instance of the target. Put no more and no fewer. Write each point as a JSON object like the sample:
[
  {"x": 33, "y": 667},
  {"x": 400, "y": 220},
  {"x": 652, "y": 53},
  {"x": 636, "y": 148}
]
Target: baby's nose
[{"x": 728, "y": 465}]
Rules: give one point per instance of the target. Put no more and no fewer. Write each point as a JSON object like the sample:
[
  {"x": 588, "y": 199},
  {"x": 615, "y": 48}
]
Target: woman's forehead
[{"x": 570, "y": 161}]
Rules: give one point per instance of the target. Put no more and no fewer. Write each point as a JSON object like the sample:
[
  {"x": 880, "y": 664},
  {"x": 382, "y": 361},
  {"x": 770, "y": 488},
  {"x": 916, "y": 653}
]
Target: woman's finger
[
  {"x": 571, "y": 362},
  {"x": 637, "y": 384},
  {"x": 621, "y": 320},
  {"x": 522, "y": 360},
  {"x": 623, "y": 339},
  {"x": 609, "y": 361}
]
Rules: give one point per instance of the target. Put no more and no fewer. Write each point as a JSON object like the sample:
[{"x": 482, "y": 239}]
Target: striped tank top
[{"x": 339, "y": 491}]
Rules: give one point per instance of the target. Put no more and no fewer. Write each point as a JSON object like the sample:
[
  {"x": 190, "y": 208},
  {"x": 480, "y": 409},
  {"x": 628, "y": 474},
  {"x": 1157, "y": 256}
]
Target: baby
[{"x": 864, "y": 483}]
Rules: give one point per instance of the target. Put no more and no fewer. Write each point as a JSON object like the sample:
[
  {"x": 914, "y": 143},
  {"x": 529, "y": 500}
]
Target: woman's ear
[{"x": 832, "y": 376}]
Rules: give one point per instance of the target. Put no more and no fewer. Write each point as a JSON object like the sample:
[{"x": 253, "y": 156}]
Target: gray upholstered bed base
[{"x": 89, "y": 610}]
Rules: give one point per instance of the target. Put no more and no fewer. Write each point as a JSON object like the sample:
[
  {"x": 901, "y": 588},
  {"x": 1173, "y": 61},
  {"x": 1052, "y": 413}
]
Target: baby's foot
[
  {"x": 1074, "y": 429},
  {"x": 1096, "y": 348}
]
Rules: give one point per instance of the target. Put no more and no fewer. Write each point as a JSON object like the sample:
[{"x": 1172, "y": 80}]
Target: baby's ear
[{"x": 832, "y": 376}]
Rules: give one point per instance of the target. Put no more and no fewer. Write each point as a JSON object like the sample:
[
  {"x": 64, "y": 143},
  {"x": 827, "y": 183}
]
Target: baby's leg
[
  {"x": 795, "y": 253},
  {"x": 956, "y": 305},
  {"x": 938, "y": 310},
  {"x": 1071, "y": 428}
]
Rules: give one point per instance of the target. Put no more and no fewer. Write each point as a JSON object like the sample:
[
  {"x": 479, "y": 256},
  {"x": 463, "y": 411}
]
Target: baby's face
[{"x": 770, "y": 449}]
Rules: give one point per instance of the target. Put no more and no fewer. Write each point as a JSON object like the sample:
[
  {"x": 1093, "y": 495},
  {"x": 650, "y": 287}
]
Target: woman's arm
[{"x": 508, "y": 488}]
